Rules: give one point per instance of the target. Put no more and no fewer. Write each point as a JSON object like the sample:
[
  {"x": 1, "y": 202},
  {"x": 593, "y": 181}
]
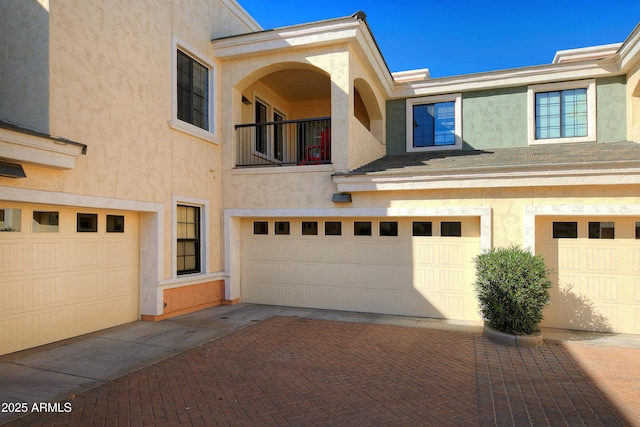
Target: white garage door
[
  {"x": 419, "y": 266},
  {"x": 65, "y": 272},
  {"x": 596, "y": 264}
]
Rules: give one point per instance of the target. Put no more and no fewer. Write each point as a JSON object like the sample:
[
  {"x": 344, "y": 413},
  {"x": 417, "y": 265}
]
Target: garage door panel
[
  {"x": 594, "y": 279},
  {"x": 57, "y": 285},
  {"x": 424, "y": 276}
]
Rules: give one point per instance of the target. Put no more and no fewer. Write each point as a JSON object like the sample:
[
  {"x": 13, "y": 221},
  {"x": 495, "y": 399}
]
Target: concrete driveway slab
[{"x": 97, "y": 358}]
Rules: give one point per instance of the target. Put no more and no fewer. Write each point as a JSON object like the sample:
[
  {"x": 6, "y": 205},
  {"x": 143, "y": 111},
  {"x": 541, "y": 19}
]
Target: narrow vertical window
[
  {"x": 193, "y": 91},
  {"x": 261, "y": 129},
  {"x": 188, "y": 234}
]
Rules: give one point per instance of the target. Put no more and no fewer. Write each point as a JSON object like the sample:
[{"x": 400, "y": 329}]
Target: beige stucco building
[{"x": 159, "y": 157}]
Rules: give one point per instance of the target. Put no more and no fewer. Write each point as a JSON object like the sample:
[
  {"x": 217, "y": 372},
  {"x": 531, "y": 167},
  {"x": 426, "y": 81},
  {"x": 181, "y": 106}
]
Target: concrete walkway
[{"x": 300, "y": 369}]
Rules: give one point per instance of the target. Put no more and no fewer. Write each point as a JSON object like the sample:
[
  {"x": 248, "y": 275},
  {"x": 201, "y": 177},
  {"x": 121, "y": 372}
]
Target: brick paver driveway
[{"x": 295, "y": 371}]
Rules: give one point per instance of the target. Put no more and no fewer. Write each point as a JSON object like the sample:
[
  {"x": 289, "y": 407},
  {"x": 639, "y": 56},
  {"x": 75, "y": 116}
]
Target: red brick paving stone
[
  {"x": 614, "y": 370},
  {"x": 288, "y": 371},
  {"x": 546, "y": 386}
]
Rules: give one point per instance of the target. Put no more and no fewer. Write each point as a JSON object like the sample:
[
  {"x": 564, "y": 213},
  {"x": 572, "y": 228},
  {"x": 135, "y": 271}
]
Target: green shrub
[{"x": 513, "y": 288}]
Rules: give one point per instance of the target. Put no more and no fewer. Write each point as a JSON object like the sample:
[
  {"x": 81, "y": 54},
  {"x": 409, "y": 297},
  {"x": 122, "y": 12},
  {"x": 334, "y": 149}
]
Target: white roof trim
[
  {"x": 25, "y": 147},
  {"x": 492, "y": 179},
  {"x": 584, "y": 53},
  {"x": 411, "y": 75}
]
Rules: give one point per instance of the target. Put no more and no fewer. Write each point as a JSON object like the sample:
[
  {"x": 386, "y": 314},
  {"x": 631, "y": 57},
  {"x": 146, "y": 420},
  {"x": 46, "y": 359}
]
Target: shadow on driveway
[{"x": 302, "y": 371}]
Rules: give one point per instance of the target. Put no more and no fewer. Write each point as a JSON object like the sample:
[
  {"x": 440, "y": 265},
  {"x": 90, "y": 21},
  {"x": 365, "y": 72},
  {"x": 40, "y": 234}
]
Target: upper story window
[
  {"x": 562, "y": 112},
  {"x": 434, "y": 123},
  {"x": 193, "y": 91},
  {"x": 192, "y": 110}
]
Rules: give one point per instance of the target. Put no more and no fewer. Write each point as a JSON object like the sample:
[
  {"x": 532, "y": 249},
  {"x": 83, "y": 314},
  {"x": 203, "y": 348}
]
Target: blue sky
[{"x": 458, "y": 37}]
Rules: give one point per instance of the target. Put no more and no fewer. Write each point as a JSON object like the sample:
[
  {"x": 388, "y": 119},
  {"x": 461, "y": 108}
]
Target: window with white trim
[
  {"x": 434, "y": 123},
  {"x": 188, "y": 239},
  {"x": 193, "y": 91},
  {"x": 562, "y": 112},
  {"x": 192, "y": 80}
]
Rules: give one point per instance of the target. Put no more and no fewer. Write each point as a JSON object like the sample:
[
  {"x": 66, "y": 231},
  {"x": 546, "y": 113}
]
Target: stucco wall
[
  {"x": 24, "y": 63},
  {"x": 100, "y": 73},
  {"x": 498, "y": 118},
  {"x": 612, "y": 119},
  {"x": 494, "y": 118}
]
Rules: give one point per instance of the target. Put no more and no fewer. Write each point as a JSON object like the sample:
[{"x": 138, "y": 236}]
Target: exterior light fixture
[{"x": 341, "y": 198}]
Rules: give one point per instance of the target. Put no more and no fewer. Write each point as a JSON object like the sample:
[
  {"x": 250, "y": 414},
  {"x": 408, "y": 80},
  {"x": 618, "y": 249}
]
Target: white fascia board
[
  {"x": 629, "y": 53},
  {"x": 613, "y": 176},
  {"x": 508, "y": 78},
  {"x": 316, "y": 35},
  {"x": 24, "y": 147},
  {"x": 585, "y": 53}
]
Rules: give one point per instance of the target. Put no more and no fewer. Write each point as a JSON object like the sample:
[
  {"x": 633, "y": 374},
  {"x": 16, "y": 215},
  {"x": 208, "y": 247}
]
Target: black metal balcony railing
[{"x": 284, "y": 143}]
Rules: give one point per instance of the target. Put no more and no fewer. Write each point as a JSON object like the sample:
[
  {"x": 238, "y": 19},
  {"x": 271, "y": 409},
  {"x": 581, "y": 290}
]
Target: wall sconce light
[
  {"x": 341, "y": 197},
  {"x": 245, "y": 100}
]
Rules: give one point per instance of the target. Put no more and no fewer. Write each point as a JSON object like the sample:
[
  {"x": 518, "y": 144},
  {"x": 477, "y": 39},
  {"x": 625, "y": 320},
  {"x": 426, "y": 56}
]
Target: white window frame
[
  {"x": 180, "y": 125},
  {"x": 271, "y": 110},
  {"x": 410, "y": 103},
  {"x": 589, "y": 85},
  {"x": 204, "y": 236}
]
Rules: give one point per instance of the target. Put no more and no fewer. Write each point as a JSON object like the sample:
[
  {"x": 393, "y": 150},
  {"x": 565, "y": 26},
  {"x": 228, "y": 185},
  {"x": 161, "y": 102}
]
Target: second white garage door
[
  {"x": 416, "y": 266},
  {"x": 596, "y": 272},
  {"x": 65, "y": 271}
]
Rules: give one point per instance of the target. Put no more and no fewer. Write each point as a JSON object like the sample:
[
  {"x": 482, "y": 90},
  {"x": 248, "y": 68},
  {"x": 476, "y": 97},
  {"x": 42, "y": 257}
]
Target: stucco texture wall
[{"x": 507, "y": 204}]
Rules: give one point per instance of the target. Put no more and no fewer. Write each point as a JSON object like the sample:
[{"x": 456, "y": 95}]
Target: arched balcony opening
[{"x": 285, "y": 115}]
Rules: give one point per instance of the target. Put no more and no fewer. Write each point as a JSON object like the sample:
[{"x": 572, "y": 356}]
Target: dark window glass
[
  {"x": 282, "y": 227},
  {"x": 422, "y": 228},
  {"x": 451, "y": 229},
  {"x": 362, "y": 228},
  {"x": 601, "y": 230},
  {"x": 565, "y": 230},
  {"x": 637, "y": 230},
  {"x": 260, "y": 227},
  {"x": 434, "y": 124},
  {"x": 193, "y": 91},
  {"x": 87, "y": 223},
  {"x": 188, "y": 236},
  {"x": 115, "y": 224},
  {"x": 309, "y": 228},
  {"x": 261, "y": 130},
  {"x": 45, "y": 222},
  {"x": 388, "y": 228},
  {"x": 333, "y": 228}
]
